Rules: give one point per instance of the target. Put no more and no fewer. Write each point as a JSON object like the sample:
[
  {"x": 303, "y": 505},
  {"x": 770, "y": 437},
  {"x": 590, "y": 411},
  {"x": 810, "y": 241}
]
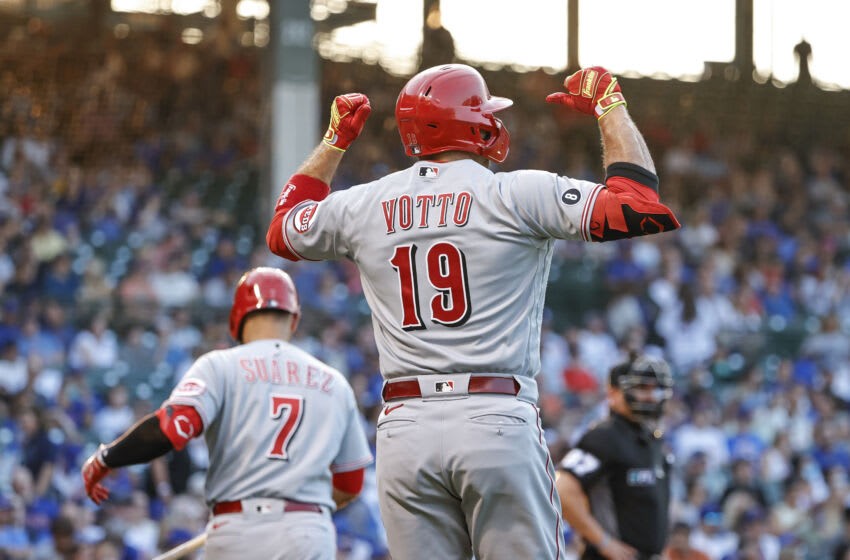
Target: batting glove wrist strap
[{"x": 609, "y": 101}]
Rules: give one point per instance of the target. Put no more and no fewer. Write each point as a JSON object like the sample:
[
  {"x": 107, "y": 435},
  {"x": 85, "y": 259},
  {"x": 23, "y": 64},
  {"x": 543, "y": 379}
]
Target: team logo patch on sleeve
[
  {"x": 571, "y": 196},
  {"x": 303, "y": 217},
  {"x": 190, "y": 388}
]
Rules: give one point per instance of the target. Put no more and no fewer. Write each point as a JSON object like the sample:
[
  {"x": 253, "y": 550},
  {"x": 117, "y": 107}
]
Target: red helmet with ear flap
[
  {"x": 450, "y": 108},
  {"x": 261, "y": 289}
]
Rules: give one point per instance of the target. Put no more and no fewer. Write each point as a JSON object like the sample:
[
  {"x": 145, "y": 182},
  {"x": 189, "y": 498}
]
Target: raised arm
[
  {"x": 313, "y": 178},
  {"x": 630, "y": 205}
]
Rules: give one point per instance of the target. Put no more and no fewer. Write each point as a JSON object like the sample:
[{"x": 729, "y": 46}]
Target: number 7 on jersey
[{"x": 445, "y": 267}]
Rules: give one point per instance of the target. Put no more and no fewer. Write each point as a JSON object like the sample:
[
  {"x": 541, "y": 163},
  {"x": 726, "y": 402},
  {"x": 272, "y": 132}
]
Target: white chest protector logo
[
  {"x": 642, "y": 477},
  {"x": 304, "y": 217},
  {"x": 190, "y": 388}
]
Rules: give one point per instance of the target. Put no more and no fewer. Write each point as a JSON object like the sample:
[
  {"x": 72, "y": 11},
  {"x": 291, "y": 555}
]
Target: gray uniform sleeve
[
  {"x": 201, "y": 388},
  {"x": 549, "y": 205},
  {"x": 354, "y": 450},
  {"x": 314, "y": 230}
]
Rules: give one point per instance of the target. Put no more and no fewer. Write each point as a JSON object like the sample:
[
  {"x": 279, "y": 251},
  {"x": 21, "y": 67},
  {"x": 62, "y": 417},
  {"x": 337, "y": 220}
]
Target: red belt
[
  {"x": 409, "y": 388},
  {"x": 236, "y": 507}
]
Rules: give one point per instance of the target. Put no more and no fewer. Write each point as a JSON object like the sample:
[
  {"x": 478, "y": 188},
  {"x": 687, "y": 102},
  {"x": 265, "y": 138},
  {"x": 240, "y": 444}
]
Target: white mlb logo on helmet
[{"x": 190, "y": 388}]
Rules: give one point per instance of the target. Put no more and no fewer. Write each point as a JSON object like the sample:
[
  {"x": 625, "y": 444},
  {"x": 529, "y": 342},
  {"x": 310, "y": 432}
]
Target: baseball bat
[{"x": 184, "y": 549}]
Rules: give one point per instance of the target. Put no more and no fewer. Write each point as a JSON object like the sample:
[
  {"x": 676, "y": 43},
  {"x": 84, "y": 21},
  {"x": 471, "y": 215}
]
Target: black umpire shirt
[{"x": 625, "y": 474}]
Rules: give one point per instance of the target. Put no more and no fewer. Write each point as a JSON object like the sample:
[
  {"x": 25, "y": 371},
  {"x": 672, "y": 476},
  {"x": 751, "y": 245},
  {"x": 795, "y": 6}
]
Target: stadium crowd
[{"x": 128, "y": 189}]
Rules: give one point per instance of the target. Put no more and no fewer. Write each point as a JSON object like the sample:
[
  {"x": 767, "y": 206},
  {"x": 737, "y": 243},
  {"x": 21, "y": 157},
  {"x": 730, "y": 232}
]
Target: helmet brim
[{"x": 496, "y": 103}]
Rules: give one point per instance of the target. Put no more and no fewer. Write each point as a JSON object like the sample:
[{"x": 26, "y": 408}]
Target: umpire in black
[{"x": 614, "y": 484}]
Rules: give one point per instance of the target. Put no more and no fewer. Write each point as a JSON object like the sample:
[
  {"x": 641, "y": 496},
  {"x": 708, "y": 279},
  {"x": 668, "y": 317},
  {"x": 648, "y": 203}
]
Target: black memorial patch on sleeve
[{"x": 571, "y": 196}]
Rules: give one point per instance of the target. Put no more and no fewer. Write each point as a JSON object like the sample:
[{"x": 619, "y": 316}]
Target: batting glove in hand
[
  {"x": 348, "y": 115},
  {"x": 593, "y": 91},
  {"x": 94, "y": 470}
]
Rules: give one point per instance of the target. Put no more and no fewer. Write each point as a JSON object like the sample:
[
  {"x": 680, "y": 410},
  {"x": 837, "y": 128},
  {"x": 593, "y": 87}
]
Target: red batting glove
[
  {"x": 348, "y": 115},
  {"x": 94, "y": 470},
  {"x": 593, "y": 91}
]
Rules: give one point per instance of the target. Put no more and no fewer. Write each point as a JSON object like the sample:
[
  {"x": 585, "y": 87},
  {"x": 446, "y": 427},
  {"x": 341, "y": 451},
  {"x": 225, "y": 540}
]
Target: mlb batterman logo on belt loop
[{"x": 444, "y": 386}]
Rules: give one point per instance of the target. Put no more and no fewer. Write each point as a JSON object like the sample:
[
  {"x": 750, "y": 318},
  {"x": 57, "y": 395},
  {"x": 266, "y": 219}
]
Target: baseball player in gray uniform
[
  {"x": 284, "y": 435},
  {"x": 454, "y": 260}
]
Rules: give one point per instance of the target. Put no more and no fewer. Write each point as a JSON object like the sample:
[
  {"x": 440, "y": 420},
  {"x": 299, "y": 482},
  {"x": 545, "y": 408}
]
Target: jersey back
[
  {"x": 453, "y": 258},
  {"x": 277, "y": 422}
]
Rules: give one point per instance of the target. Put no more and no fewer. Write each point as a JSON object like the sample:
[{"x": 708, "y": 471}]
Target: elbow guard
[
  {"x": 179, "y": 423},
  {"x": 298, "y": 189},
  {"x": 630, "y": 206},
  {"x": 350, "y": 482}
]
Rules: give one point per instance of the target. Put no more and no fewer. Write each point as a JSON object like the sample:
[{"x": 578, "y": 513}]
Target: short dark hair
[
  {"x": 681, "y": 527},
  {"x": 621, "y": 369}
]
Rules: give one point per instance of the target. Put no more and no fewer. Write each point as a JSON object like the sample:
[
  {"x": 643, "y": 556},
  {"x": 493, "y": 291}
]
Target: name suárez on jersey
[
  {"x": 426, "y": 210},
  {"x": 286, "y": 373}
]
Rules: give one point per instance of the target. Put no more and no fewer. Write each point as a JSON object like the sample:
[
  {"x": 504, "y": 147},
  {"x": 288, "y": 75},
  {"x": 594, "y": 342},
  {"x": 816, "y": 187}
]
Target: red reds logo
[
  {"x": 304, "y": 217},
  {"x": 184, "y": 428}
]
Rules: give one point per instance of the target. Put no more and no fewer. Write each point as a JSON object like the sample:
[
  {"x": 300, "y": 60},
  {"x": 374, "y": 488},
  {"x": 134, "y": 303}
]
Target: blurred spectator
[
  {"x": 14, "y": 541},
  {"x": 596, "y": 347},
  {"x": 690, "y": 338},
  {"x": 743, "y": 488},
  {"x": 701, "y": 434},
  {"x": 96, "y": 347},
  {"x": 14, "y": 373},
  {"x": 39, "y": 452},
  {"x": 712, "y": 537},
  {"x": 791, "y": 515},
  {"x": 828, "y": 346},
  {"x": 115, "y": 417},
  {"x": 63, "y": 534},
  {"x": 173, "y": 284},
  {"x": 679, "y": 547},
  {"x": 46, "y": 242}
]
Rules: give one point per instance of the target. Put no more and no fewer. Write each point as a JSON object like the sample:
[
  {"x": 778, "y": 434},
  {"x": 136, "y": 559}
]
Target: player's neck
[
  {"x": 455, "y": 155},
  {"x": 272, "y": 326}
]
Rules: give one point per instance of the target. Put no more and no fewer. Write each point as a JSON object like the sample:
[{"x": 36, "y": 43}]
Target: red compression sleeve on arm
[
  {"x": 180, "y": 423},
  {"x": 298, "y": 189},
  {"x": 628, "y": 208},
  {"x": 350, "y": 481}
]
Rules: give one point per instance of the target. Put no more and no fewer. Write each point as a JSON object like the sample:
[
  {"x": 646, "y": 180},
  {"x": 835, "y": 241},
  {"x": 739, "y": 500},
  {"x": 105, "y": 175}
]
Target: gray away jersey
[
  {"x": 277, "y": 422},
  {"x": 453, "y": 258}
]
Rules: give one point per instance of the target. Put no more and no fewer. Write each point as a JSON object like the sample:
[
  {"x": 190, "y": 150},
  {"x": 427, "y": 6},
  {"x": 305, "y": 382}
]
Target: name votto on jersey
[{"x": 427, "y": 210}]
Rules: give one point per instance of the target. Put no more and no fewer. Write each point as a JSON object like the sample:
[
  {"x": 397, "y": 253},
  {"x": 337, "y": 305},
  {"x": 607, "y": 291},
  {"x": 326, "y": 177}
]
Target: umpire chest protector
[{"x": 625, "y": 473}]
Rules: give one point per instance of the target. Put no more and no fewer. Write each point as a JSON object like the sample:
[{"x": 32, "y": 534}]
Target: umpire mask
[{"x": 646, "y": 384}]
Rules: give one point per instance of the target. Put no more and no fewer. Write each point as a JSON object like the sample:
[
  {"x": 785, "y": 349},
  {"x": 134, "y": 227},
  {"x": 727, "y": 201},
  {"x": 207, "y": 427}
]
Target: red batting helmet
[
  {"x": 450, "y": 108},
  {"x": 262, "y": 288}
]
